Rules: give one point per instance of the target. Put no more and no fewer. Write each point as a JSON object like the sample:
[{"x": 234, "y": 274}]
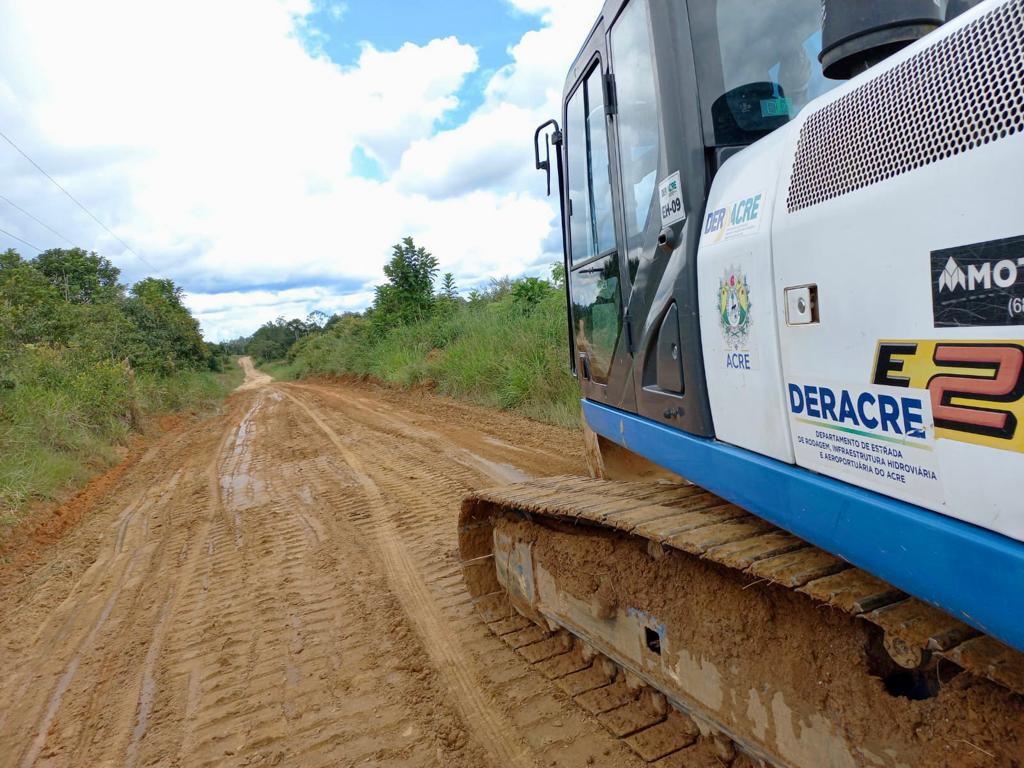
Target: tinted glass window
[
  {"x": 600, "y": 180},
  {"x": 757, "y": 64},
  {"x": 591, "y": 225},
  {"x": 597, "y": 313},
  {"x": 638, "y": 121},
  {"x": 579, "y": 193}
]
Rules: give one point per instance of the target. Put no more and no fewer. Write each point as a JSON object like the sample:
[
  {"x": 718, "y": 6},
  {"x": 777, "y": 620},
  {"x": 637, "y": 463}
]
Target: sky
[{"x": 266, "y": 154}]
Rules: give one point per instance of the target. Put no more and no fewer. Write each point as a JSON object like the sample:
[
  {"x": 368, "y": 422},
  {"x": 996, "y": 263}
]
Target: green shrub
[
  {"x": 82, "y": 360},
  {"x": 62, "y": 417},
  {"x": 505, "y": 349}
]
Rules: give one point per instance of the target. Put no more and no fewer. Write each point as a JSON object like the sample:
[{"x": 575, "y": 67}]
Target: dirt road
[{"x": 278, "y": 586}]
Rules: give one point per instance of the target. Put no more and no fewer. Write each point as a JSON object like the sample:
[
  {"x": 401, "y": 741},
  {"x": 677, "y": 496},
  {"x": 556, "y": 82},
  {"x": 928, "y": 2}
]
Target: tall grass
[
  {"x": 497, "y": 352},
  {"x": 63, "y": 416},
  {"x": 280, "y": 370}
]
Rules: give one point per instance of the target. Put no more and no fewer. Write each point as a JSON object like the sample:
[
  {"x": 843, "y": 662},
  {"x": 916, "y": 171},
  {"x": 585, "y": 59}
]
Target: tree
[
  {"x": 10, "y": 259},
  {"x": 104, "y": 332},
  {"x": 273, "y": 340},
  {"x": 448, "y": 289},
  {"x": 334, "y": 319},
  {"x": 528, "y": 292},
  {"x": 235, "y": 346},
  {"x": 167, "y": 334},
  {"x": 497, "y": 287},
  {"x": 31, "y": 308},
  {"x": 81, "y": 277},
  {"x": 408, "y": 295},
  {"x": 558, "y": 274}
]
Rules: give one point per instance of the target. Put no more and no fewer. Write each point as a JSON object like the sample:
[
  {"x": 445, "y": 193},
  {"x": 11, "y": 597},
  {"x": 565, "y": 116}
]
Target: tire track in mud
[
  {"x": 263, "y": 676},
  {"x": 275, "y": 586},
  {"x": 114, "y": 592},
  {"x": 479, "y": 715},
  {"x": 415, "y": 493},
  {"x": 193, "y": 558}
]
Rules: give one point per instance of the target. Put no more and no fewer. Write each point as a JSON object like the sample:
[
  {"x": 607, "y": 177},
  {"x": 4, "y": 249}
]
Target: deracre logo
[{"x": 979, "y": 285}]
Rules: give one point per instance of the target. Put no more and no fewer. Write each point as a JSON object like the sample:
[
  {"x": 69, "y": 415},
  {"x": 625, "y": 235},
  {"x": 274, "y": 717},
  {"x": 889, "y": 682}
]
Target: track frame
[
  {"x": 504, "y": 581},
  {"x": 968, "y": 572}
]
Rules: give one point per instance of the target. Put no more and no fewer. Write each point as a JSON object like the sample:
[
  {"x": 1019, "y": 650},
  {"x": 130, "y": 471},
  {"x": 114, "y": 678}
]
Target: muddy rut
[{"x": 279, "y": 585}]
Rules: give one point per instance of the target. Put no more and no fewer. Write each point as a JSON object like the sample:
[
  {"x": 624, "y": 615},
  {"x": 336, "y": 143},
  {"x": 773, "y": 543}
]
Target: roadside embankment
[
  {"x": 496, "y": 351},
  {"x": 64, "y": 420}
]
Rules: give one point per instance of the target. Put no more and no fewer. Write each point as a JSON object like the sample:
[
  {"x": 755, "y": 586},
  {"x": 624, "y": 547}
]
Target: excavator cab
[{"x": 660, "y": 96}]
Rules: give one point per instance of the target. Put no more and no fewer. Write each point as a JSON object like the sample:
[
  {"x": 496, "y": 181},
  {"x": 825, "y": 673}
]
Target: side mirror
[{"x": 554, "y": 137}]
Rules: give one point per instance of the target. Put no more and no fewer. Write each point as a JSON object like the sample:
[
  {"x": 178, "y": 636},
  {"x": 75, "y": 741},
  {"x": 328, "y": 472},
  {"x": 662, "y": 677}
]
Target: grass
[
  {"x": 63, "y": 418},
  {"x": 496, "y": 352},
  {"x": 280, "y": 370},
  {"x": 193, "y": 391}
]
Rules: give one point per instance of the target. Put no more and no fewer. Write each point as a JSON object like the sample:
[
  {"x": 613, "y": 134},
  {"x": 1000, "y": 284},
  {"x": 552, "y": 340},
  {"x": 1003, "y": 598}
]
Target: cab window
[
  {"x": 597, "y": 314},
  {"x": 638, "y": 132},
  {"x": 594, "y": 274},
  {"x": 592, "y": 227},
  {"x": 757, "y": 64}
]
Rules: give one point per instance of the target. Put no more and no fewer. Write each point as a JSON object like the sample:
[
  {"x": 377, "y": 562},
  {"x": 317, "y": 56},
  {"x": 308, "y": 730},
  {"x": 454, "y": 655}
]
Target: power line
[
  {"x": 75, "y": 201},
  {"x": 37, "y": 221},
  {"x": 26, "y": 242}
]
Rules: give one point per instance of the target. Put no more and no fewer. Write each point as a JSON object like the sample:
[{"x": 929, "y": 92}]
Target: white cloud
[
  {"x": 238, "y": 313},
  {"x": 494, "y": 147},
  {"x": 214, "y": 141},
  {"x": 479, "y": 154},
  {"x": 337, "y": 10},
  {"x": 398, "y": 96},
  {"x": 542, "y": 57}
]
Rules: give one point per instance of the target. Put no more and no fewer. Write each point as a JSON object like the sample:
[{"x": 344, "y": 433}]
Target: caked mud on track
[
  {"x": 278, "y": 586},
  {"x": 764, "y": 644}
]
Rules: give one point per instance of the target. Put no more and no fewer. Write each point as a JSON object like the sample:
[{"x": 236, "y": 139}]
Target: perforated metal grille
[{"x": 964, "y": 91}]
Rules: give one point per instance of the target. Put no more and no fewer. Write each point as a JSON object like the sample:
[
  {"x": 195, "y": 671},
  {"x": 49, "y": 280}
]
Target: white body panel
[
  {"x": 741, "y": 352},
  {"x": 869, "y": 252}
]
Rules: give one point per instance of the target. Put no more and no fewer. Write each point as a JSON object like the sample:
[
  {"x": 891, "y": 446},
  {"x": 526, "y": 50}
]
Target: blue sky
[
  {"x": 343, "y": 28},
  {"x": 490, "y": 27},
  {"x": 266, "y": 154}
]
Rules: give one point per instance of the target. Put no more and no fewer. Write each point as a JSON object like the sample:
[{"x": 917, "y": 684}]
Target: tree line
[
  {"x": 411, "y": 295},
  {"x": 84, "y": 360},
  {"x": 73, "y": 299}
]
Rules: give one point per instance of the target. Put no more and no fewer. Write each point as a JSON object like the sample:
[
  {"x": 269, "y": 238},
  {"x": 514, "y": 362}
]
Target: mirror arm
[{"x": 556, "y": 138}]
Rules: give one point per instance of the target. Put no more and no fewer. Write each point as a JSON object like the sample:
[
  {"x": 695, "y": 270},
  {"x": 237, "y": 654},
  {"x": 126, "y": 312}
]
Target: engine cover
[{"x": 896, "y": 212}]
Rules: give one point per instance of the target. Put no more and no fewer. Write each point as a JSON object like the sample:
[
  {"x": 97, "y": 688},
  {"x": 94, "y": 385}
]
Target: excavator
[{"x": 794, "y": 265}]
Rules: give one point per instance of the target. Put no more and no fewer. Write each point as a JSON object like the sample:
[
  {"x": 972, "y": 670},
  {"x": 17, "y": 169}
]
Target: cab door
[
  {"x": 661, "y": 174},
  {"x": 604, "y": 360}
]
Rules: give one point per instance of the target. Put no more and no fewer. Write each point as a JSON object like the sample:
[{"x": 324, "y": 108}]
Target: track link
[
  {"x": 689, "y": 522},
  {"x": 622, "y": 703}
]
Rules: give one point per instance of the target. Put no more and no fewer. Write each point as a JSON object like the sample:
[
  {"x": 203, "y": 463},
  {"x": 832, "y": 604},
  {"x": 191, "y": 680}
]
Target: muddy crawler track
[
  {"x": 279, "y": 585},
  {"x": 713, "y": 591}
]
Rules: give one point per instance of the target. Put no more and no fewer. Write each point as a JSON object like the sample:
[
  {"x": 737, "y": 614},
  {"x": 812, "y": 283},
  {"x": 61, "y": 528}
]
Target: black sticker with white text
[{"x": 979, "y": 285}]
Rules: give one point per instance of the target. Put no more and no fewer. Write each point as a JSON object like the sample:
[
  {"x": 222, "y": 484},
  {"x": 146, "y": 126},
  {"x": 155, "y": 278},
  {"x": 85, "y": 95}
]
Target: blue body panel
[{"x": 971, "y": 573}]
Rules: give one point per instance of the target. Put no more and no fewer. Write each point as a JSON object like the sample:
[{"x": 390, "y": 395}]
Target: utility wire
[
  {"x": 75, "y": 201},
  {"x": 17, "y": 207},
  {"x": 15, "y": 237}
]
